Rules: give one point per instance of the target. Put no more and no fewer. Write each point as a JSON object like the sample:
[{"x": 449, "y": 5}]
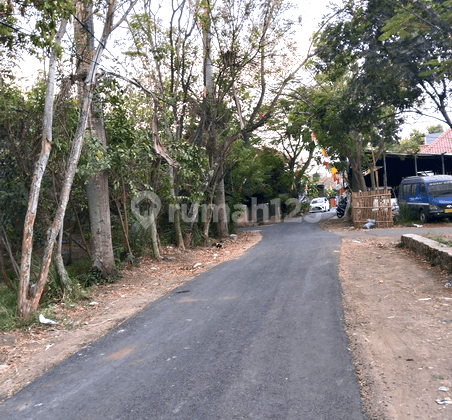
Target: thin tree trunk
[
  {"x": 59, "y": 264},
  {"x": 3, "y": 270},
  {"x": 124, "y": 230},
  {"x": 220, "y": 203},
  {"x": 24, "y": 304},
  {"x": 28, "y": 304},
  {"x": 207, "y": 219},
  {"x": 86, "y": 247},
  {"x": 154, "y": 235},
  {"x": 80, "y": 246},
  {"x": 124, "y": 204},
  {"x": 58, "y": 258},
  {"x": 176, "y": 211},
  {"x": 4, "y": 239},
  {"x": 28, "y": 300}
]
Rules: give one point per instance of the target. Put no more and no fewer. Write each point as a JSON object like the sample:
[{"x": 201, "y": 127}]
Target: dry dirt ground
[
  {"x": 25, "y": 355},
  {"x": 398, "y": 317}
]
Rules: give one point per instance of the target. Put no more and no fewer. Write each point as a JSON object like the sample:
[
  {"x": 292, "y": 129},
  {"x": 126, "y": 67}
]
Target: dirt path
[
  {"x": 25, "y": 355},
  {"x": 398, "y": 317}
]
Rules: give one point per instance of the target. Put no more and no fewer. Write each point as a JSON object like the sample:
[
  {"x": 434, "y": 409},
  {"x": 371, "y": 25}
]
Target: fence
[{"x": 372, "y": 205}]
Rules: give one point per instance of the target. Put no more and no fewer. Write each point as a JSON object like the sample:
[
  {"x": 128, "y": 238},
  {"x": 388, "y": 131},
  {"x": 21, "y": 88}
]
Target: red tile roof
[{"x": 443, "y": 144}]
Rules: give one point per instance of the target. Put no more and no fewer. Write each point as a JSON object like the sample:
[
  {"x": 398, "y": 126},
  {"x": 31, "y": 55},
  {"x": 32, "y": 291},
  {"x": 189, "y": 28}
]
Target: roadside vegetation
[
  {"x": 406, "y": 218},
  {"x": 108, "y": 157},
  {"x": 441, "y": 240}
]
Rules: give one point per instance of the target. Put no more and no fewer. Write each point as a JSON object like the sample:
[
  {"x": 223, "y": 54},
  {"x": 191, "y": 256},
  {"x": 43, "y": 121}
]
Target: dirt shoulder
[
  {"x": 26, "y": 355},
  {"x": 398, "y": 318}
]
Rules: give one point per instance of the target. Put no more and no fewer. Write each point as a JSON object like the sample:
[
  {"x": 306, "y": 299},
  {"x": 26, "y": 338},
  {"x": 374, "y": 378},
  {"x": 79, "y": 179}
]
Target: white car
[{"x": 319, "y": 204}]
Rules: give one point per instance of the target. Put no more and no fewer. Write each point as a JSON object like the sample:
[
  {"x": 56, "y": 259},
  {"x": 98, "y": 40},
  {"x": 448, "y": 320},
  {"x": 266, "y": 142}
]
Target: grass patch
[
  {"x": 441, "y": 240},
  {"x": 81, "y": 279},
  {"x": 8, "y": 310},
  {"x": 53, "y": 292},
  {"x": 8, "y": 307},
  {"x": 404, "y": 217}
]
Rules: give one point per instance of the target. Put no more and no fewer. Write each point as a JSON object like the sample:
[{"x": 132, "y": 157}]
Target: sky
[{"x": 312, "y": 13}]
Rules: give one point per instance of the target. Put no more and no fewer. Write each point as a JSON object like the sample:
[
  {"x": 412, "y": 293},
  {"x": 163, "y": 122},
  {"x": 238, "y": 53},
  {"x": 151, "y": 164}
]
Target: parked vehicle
[
  {"x": 394, "y": 201},
  {"x": 340, "y": 209},
  {"x": 319, "y": 204},
  {"x": 427, "y": 196}
]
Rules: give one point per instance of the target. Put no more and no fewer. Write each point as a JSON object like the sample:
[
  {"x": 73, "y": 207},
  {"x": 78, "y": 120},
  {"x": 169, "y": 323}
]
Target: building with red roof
[{"x": 443, "y": 144}]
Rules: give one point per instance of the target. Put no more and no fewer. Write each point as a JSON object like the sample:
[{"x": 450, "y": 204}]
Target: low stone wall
[{"x": 436, "y": 253}]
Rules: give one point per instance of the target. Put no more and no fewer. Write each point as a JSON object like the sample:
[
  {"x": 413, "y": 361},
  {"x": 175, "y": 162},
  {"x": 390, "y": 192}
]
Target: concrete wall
[{"x": 436, "y": 253}]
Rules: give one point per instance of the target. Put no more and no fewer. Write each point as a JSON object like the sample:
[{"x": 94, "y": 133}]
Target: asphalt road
[{"x": 260, "y": 337}]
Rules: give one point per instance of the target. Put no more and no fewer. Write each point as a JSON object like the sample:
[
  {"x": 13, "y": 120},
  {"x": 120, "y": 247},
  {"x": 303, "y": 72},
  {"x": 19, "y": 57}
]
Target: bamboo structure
[{"x": 375, "y": 205}]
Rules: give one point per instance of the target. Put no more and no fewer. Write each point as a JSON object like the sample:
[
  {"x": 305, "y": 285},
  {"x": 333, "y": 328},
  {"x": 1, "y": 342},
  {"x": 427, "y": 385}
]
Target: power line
[
  {"x": 85, "y": 28},
  {"x": 20, "y": 31}
]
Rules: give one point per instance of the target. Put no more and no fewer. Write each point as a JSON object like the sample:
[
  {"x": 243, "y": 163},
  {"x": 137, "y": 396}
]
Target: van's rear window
[{"x": 436, "y": 189}]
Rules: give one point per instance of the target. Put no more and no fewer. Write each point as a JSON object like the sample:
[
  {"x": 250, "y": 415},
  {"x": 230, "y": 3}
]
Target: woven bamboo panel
[{"x": 372, "y": 205}]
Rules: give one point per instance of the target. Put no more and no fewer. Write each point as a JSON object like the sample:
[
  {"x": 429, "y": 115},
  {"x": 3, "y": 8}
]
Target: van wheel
[{"x": 422, "y": 216}]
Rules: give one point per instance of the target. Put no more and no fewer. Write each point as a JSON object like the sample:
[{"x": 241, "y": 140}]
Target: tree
[
  {"x": 429, "y": 21},
  {"x": 412, "y": 143},
  {"x": 347, "y": 121},
  {"x": 395, "y": 48},
  {"x": 242, "y": 48},
  {"x": 245, "y": 52},
  {"x": 438, "y": 128},
  {"x": 25, "y": 304},
  {"x": 168, "y": 56},
  {"x": 291, "y": 123},
  {"x": 102, "y": 257},
  {"x": 29, "y": 295},
  {"x": 259, "y": 173}
]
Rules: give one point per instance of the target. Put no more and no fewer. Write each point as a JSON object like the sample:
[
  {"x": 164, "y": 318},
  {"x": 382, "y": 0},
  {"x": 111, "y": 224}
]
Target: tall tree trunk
[
  {"x": 220, "y": 202},
  {"x": 123, "y": 221},
  {"x": 25, "y": 305},
  {"x": 4, "y": 239},
  {"x": 355, "y": 161},
  {"x": 29, "y": 296},
  {"x": 154, "y": 235},
  {"x": 102, "y": 256},
  {"x": 176, "y": 213},
  {"x": 85, "y": 245},
  {"x": 59, "y": 264},
  {"x": 3, "y": 270},
  {"x": 360, "y": 184},
  {"x": 208, "y": 124},
  {"x": 207, "y": 216}
]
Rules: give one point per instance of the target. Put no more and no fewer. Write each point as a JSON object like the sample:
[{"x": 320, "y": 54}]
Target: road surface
[{"x": 260, "y": 337}]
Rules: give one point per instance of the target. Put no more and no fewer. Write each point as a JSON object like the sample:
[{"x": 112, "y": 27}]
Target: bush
[
  {"x": 8, "y": 307},
  {"x": 405, "y": 216}
]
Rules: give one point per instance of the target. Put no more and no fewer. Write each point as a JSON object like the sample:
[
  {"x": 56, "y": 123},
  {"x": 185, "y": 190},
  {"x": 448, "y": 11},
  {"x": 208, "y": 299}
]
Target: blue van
[{"x": 427, "y": 196}]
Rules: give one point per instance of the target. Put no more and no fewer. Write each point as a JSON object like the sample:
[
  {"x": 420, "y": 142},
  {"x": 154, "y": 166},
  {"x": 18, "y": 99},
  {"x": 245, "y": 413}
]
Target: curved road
[{"x": 260, "y": 337}]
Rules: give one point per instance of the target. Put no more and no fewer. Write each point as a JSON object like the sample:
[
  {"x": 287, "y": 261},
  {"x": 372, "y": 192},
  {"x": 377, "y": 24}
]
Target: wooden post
[
  {"x": 385, "y": 173},
  {"x": 375, "y": 171},
  {"x": 442, "y": 161},
  {"x": 415, "y": 164}
]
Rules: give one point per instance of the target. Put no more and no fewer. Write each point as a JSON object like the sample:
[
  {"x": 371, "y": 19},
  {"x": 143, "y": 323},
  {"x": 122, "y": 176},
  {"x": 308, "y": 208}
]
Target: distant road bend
[{"x": 260, "y": 337}]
